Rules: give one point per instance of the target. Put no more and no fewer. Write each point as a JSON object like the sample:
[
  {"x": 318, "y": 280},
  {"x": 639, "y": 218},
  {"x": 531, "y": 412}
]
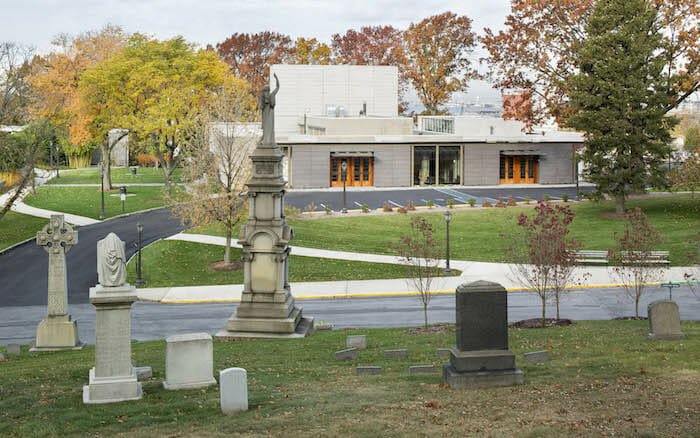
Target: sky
[{"x": 36, "y": 22}]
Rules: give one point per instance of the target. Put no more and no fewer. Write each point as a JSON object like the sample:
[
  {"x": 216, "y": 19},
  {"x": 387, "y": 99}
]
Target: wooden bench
[{"x": 595, "y": 257}]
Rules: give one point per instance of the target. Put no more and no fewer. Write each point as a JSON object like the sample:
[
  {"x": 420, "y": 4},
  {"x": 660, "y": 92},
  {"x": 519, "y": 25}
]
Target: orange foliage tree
[
  {"x": 536, "y": 51},
  {"x": 437, "y": 54}
]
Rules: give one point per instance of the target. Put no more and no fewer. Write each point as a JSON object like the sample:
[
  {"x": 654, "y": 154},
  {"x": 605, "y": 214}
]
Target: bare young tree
[
  {"x": 632, "y": 257},
  {"x": 15, "y": 67},
  {"x": 544, "y": 253},
  {"x": 420, "y": 253}
]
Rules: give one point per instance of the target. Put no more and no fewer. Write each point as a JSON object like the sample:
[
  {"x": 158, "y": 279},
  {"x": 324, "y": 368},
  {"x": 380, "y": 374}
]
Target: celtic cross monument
[
  {"x": 267, "y": 306},
  {"x": 57, "y": 331}
]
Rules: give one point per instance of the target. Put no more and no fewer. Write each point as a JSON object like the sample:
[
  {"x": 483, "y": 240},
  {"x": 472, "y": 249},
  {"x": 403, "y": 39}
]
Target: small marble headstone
[
  {"x": 421, "y": 369},
  {"x": 536, "y": 356},
  {"x": 356, "y": 341},
  {"x": 233, "y": 384},
  {"x": 347, "y": 354},
  {"x": 368, "y": 370},
  {"x": 14, "y": 348},
  {"x": 2, "y": 357},
  {"x": 443, "y": 352},
  {"x": 396, "y": 354},
  {"x": 189, "y": 361},
  {"x": 664, "y": 321},
  {"x": 143, "y": 373}
]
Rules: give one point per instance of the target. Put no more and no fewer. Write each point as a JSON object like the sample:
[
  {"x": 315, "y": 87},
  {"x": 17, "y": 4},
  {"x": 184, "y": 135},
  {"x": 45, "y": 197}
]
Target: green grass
[
  {"x": 178, "y": 263},
  {"x": 120, "y": 175},
  {"x": 604, "y": 378},
  {"x": 85, "y": 201},
  {"x": 16, "y": 227},
  {"x": 483, "y": 234}
]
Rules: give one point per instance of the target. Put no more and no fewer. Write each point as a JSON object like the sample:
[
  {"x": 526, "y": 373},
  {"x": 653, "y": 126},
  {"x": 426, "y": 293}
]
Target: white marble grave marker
[{"x": 233, "y": 384}]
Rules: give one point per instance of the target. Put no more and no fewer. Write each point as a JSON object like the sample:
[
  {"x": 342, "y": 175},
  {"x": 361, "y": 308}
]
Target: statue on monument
[
  {"x": 267, "y": 105},
  {"x": 111, "y": 261}
]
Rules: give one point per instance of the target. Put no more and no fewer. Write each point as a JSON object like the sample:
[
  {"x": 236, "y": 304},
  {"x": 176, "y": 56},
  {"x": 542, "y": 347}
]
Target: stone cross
[{"x": 57, "y": 238}]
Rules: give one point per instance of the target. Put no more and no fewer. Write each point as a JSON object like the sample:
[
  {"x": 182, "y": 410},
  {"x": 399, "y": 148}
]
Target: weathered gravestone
[
  {"x": 396, "y": 354},
  {"x": 189, "y": 361},
  {"x": 356, "y": 341},
  {"x": 421, "y": 369},
  {"x": 57, "y": 331},
  {"x": 481, "y": 357},
  {"x": 14, "y": 349},
  {"x": 347, "y": 354},
  {"x": 664, "y": 321},
  {"x": 113, "y": 379},
  {"x": 368, "y": 370},
  {"x": 536, "y": 356},
  {"x": 233, "y": 383},
  {"x": 267, "y": 308}
]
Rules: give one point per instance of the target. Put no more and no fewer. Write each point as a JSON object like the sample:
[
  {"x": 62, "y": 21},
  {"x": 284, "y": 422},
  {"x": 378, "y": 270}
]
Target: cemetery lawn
[
  {"x": 16, "y": 227},
  {"x": 171, "y": 263},
  {"x": 605, "y": 378},
  {"x": 484, "y": 234},
  {"x": 85, "y": 201},
  {"x": 120, "y": 175}
]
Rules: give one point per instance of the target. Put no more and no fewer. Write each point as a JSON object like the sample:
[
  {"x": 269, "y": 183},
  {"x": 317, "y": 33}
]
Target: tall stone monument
[
  {"x": 481, "y": 357},
  {"x": 57, "y": 331},
  {"x": 267, "y": 307},
  {"x": 113, "y": 379}
]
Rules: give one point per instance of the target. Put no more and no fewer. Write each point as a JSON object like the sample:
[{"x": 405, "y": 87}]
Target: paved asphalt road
[
  {"x": 158, "y": 321},
  {"x": 24, "y": 269},
  {"x": 439, "y": 195}
]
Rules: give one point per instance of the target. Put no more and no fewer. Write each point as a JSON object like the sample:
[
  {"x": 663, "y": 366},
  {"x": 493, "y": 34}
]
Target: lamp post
[
  {"x": 102, "y": 185},
  {"x": 139, "y": 275},
  {"x": 344, "y": 176},
  {"x": 448, "y": 217},
  {"x": 122, "y": 196}
]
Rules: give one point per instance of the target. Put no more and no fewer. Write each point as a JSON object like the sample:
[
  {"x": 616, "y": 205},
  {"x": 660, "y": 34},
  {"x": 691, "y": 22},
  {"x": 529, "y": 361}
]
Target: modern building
[{"x": 330, "y": 117}]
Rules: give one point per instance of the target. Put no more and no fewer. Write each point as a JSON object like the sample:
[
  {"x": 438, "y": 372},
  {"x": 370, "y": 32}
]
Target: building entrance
[
  {"x": 518, "y": 169},
  {"x": 360, "y": 171}
]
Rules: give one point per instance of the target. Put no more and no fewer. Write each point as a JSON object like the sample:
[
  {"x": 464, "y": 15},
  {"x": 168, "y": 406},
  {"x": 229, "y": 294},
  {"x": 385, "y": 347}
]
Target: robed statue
[
  {"x": 111, "y": 261},
  {"x": 267, "y": 105}
]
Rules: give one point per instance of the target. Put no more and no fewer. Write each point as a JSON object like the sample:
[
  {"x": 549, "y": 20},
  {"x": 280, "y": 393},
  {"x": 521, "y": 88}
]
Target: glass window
[
  {"x": 523, "y": 167},
  {"x": 365, "y": 169},
  {"x": 531, "y": 167},
  {"x": 356, "y": 169},
  {"x": 423, "y": 165},
  {"x": 502, "y": 168},
  {"x": 335, "y": 163},
  {"x": 510, "y": 167},
  {"x": 449, "y": 164}
]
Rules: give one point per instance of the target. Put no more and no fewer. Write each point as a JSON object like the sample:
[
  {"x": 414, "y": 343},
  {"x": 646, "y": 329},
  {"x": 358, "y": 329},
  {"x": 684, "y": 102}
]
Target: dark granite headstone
[{"x": 482, "y": 316}]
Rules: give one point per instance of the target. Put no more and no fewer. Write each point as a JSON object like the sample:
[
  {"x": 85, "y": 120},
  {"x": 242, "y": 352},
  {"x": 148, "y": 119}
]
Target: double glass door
[
  {"x": 518, "y": 169},
  {"x": 360, "y": 171}
]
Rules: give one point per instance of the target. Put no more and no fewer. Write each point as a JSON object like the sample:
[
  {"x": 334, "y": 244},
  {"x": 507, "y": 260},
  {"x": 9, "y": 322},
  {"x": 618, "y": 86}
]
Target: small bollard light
[
  {"x": 139, "y": 274},
  {"x": 448, "y": 218},
  {"x": 122, "y": 191},
  {"x": 344, "y": 176},
  {"x": 102, "y": 184}
]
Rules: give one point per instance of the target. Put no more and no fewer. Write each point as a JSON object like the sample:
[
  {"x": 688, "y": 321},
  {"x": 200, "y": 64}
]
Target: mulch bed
[
  {"x": 438, "y": 328},
  {"x": 536, "y": 323},
  {"x": 222, "y": 266}
]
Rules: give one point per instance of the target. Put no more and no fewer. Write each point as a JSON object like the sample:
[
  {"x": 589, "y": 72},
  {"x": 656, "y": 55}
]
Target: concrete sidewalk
[{"x": 596, "y": 277}]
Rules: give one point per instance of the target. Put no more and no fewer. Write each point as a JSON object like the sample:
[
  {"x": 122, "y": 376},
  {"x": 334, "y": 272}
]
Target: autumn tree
[
  {"x": 537, "y": 51},
  {"x": 687, "y": 175},
  {"x": 251, "y": 55},
  {"x": 217, "y": 162},
  {"x": 420, "y": 252},
  {"x": 620, "y": 100},
  {"x": 437, "y": 57},
  {"x": 154, "y": 89},
  {"x": 545, "y": 253},
  {"x": 15, "y": 61},
  {"x": 691, "y": 139},
  {"x": 632, "y": 257},
  {"x": 55, "y": 78},
  {"x": 311, "y": 51}
]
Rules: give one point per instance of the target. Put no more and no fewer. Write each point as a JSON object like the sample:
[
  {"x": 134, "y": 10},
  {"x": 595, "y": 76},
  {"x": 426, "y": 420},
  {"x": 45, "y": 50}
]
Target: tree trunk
[
  {"x": 107, "y": 166},
  {"x": 636, "y": 307},
  {"x": 18, "y": 191},
  {"x": 556, "y": 303},
  {"x": 227, "y": 250},
  {"x": 620, "y": 205},
  {"x": 544, "y": 313},
  {"x": 425, "y": 315}
]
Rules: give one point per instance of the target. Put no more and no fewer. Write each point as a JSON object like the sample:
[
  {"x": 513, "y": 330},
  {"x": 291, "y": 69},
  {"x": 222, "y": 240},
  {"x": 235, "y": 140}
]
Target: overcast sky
[{"x": 36, "y": 22}]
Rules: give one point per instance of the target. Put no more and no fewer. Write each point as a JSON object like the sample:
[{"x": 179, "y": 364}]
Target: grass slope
[
  {"x": 86, "y": 201},
  {"x": 177, "y": 263},
  {"x": 16, "y": 227},
  {"x": 604, "y": 379},
  {"x": 120, "y": 175}
]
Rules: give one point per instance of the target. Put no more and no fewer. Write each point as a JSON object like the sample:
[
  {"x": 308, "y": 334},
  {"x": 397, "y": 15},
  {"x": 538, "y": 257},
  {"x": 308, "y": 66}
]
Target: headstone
[
  {"x": 114, "y": 378},
  {"x": 368, "y": 370},
  {"x": 421, "y": 369},
  {"x": 143, "y": 373},
  {"x": 396, "y": 354},
  {"x": 14, "y": 349},
  {"x": 323, "y": 327},
  {"x": 443, "y": 352},
  {"x": 57, "y": 331},
  {"x": 481, "y": 357},
  {"x": 189, "y": 361},
  {"x": 233, "y": 383},
  {"x": 119, "y": 139},
  {"x": 356, "y": 341},
  {"x": 664, "y": 321},
  {"x": 267, "y": 308},
  {"x": 2, "y": 357},
  {"x": 536, "y": 356},
  {"x": 347, "y": 354}
]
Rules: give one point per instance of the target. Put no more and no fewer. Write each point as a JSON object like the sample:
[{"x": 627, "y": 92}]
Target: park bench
[{"x": 595, "y": 257}]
